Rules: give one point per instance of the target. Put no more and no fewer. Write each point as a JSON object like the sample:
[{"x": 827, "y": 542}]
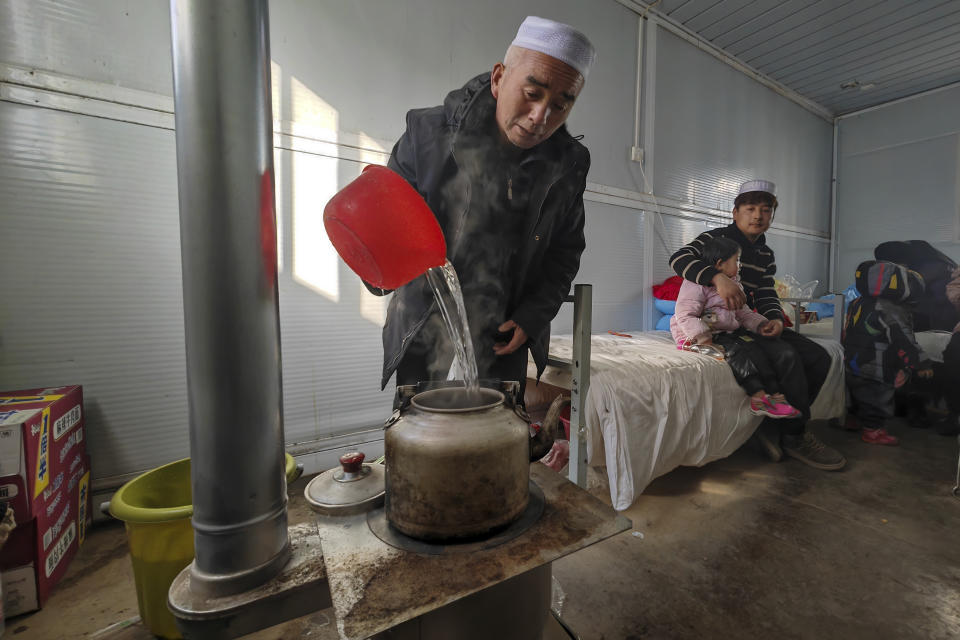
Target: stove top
[{"x": 375, "y": 585}]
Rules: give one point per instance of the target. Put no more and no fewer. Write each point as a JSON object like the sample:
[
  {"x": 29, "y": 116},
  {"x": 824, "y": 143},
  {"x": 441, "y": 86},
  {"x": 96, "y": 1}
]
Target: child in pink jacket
[{"x": 702, "y": 323}]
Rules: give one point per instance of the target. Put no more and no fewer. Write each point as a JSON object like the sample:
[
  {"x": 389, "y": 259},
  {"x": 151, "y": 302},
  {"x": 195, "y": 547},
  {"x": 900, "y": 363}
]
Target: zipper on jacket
[{"x": 509, "y": 188}]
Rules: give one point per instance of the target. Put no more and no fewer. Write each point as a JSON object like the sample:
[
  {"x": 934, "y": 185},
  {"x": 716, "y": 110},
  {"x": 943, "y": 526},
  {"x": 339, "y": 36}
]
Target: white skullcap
[
  {"x": 758, "y": 185},
  {"x": 557, "y": 40}
]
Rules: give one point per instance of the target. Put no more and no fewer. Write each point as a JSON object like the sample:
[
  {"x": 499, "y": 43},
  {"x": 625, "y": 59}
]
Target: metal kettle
[{"x": 457, "y": 465}]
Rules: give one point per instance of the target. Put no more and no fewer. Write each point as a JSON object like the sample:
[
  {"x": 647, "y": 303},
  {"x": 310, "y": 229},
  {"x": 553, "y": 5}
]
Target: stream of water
[{"x": 446, "y": 288}]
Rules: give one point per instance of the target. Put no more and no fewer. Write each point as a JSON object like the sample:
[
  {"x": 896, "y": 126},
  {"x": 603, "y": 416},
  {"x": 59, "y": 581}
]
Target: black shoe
[
  {"x": 808, "y": 449},
  {"x": 948, "y": 426}
]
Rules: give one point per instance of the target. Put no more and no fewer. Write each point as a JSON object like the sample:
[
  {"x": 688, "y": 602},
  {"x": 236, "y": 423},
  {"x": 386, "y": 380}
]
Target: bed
[{"x": 643, "y": 408}]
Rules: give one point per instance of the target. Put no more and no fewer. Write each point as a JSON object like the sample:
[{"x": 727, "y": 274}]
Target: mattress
[{"x": 651, "y": 408}]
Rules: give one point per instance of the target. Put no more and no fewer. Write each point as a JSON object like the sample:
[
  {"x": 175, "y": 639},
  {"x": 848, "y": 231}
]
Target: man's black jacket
[{"x": 437, "y": 156}]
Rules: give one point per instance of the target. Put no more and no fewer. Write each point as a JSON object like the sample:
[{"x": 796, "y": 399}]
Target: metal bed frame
[
  {"x": 579, "y": 365},
  {"x": 836, "y": 299}
]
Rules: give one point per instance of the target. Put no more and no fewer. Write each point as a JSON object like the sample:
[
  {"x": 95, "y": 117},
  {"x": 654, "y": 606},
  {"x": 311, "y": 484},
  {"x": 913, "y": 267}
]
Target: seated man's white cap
[
  {"x": 557, "y": 40},
  {"x": 758, "y": 185}
]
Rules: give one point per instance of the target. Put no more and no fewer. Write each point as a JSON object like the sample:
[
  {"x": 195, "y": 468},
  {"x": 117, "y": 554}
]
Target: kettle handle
[{"x": 542, "y": 441}]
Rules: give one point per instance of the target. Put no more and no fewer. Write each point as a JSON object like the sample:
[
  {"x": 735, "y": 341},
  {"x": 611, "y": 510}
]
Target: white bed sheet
[{"x": 652, "y": 408}]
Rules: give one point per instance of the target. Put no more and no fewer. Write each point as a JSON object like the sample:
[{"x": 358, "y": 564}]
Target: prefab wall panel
[
  {"x": 898, "y": 178},
  {"x": 716, "y": 128},
  {"x": 91, "y": 283},
  {"x": 91, "y": 259}
]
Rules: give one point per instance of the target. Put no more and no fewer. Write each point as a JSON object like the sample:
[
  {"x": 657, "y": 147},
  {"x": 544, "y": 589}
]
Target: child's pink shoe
[
  {"x": 878, "y": 436},
  {"x": 773, "y": 408}
]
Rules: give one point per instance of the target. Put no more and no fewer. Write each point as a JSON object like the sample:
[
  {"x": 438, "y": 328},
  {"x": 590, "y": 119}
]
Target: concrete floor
[{"x": 740, "y": 548}]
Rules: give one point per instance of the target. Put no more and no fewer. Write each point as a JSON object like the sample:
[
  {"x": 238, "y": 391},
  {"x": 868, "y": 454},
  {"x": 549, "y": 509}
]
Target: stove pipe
[{"x": 221, "y": 82}]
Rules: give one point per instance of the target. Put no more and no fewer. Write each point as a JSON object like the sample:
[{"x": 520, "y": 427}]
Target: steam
[{"x": 483, "y": 236}]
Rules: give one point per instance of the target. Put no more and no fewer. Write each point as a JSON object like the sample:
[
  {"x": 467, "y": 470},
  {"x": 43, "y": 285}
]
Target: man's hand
[
  {"x": 732, "y": 295},
  {"x": 519, "y": 338},
  {"x": 770, "y": 328}
]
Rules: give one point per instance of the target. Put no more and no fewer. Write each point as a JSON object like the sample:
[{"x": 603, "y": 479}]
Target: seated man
[{"x": 753, "y": 211}]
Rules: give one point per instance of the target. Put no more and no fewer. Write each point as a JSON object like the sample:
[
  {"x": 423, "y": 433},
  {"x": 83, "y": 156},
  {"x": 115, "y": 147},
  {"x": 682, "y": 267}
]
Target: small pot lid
[{"x": 351, "y": 488}]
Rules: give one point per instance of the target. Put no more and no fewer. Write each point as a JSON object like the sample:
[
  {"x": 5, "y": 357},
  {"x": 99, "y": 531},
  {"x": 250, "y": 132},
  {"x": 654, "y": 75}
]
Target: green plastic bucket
[{"x": 156, "y": 508}]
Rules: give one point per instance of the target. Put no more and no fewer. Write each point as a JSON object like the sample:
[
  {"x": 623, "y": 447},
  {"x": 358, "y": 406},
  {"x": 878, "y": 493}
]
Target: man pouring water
[{"x": 505, "y": 181}]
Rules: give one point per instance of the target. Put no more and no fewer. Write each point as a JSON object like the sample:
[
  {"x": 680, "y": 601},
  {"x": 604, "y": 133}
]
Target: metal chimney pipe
[{"x": 221, "y": 86}]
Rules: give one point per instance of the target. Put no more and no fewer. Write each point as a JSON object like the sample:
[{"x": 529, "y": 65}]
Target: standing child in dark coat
[{"x": 880, "y": 350}]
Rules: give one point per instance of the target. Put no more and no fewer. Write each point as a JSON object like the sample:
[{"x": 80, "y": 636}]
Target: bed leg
[{"x": 580, "y": 385}]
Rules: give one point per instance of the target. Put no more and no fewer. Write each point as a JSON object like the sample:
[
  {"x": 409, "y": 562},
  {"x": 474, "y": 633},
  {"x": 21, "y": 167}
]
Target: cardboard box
[
  {"x": 45, "y": 477},
  {"x": 38, "y": 552},
  {"x": 19, "y": 591},
  {"x": 41, "y": 430}
]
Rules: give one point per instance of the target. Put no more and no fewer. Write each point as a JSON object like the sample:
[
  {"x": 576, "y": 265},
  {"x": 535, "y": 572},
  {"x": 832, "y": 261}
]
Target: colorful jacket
[
  {"x": 878, "y": 337},
  {"x": 700, "y": 310}
]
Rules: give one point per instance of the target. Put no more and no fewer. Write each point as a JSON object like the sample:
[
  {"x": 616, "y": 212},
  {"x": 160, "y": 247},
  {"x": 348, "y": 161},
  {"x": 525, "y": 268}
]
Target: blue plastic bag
[
  {"x": 851, "y": 293},
  {"x": 666, "y": 307},
  {"x": 823, "y": 309}
]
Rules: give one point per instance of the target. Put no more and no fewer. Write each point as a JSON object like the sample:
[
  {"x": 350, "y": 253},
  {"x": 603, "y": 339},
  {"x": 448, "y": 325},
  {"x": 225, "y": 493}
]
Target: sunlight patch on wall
[
  {"x": 315, "y": 261},
  {"x": 312, "y": 116},
  {"x": 279, "y": 203},
  {"x": 371, "y": 151},
  {"x": 276, "y": 93},
  {"x": 276, "y": 80},
  {"x": 727, "y": 188},
  {"x": 314, "y": 182}
]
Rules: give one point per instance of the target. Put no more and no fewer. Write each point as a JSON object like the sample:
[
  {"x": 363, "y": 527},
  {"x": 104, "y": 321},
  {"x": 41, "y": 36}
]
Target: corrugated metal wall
[
  {"x": 898, "y": 178},
  {"x": 613, "y": 264},
  {"x": 716, "y": 128},
  {"x": 91, "y": 276},
  {"x": 90, "y": 221}
]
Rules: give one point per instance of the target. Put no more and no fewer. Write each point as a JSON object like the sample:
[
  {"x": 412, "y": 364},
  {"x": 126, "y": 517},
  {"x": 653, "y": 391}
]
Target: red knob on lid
[{"x": 351, "y": 462}]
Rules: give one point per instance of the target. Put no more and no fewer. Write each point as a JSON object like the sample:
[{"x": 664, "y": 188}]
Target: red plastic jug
[{"x": 383, "y": 229}]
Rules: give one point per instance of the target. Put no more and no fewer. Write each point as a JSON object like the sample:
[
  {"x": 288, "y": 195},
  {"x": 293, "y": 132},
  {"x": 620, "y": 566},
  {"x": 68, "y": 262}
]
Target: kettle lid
[{"x": 351, "y": 488}]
